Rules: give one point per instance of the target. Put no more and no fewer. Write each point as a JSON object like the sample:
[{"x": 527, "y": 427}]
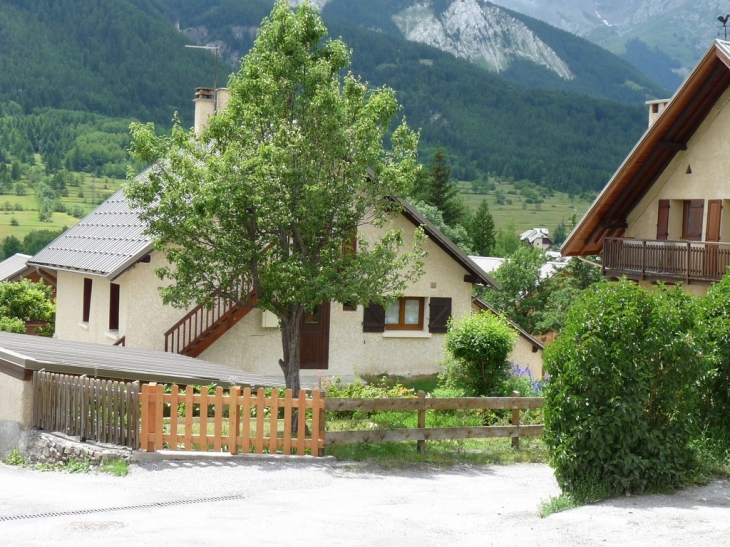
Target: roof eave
[
  {"x": 437, "y": 236},
  {"x": 576, "y": 242}
]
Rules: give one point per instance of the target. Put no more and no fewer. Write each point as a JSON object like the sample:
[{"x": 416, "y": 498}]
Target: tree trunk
[{"x": 290, "y": 345}]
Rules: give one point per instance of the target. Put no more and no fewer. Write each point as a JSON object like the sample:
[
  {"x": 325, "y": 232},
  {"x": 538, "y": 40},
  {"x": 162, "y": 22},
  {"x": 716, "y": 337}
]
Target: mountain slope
[
  {"x": 126, "y": 57},
  {"x": 116, "y": 57},
  {"x": 670, "y": 33},
  {"x": 522, "y": 49}
]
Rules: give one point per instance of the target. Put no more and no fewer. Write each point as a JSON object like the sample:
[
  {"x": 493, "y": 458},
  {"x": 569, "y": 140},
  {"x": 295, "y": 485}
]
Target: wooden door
[
  {"x": 712, "y": 235},
  {"x": 662, "y": 227},
  {"x": 314, "y": 341}
]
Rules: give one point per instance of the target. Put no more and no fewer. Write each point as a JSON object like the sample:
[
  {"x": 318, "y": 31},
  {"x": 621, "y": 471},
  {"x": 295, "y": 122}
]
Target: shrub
[
  {"x": 620, "y": 409},
  {"x": 478, "y": 346},
  {"x": 714, "y": 313}
]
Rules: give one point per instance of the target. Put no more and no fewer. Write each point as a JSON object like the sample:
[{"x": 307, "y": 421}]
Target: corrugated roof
[
  {"x": 105, "y": 243},
  {"x": 103, "y": 361},
  {"x": 12, "y": 267}
]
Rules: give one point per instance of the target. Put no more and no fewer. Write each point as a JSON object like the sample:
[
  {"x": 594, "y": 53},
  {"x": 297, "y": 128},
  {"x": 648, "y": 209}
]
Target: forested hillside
[
  {"x": 115, "y": 57},
  {"x": 124, "y": 58}
]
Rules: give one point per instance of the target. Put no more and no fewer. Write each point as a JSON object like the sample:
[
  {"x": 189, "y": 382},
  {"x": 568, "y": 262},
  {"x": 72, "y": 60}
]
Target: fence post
[
  {"x": 321, "y": 433},
  {"x": 149, "y": 392},
  {"x": 516, "y": 421},
  {"x": 234, "y": 419},
  {"x": 421, "y": 445}
]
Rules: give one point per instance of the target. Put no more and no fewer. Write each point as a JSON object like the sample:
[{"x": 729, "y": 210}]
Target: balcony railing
[{"x": 671, "y": 260}]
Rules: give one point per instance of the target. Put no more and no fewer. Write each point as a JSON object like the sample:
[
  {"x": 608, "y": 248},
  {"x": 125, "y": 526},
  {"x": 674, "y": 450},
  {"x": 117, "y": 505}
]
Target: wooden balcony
[{"x": 685, "y": 261}]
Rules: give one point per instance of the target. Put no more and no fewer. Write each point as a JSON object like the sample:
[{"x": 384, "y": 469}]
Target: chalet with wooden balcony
[
  {"x": 107, "y": 292},
  {"x": 663, "y": 215}
]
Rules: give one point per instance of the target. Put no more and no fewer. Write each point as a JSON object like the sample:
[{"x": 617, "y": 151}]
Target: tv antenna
[
  {"x": 217, "y": 49},
  {"x": 724, "y": 21}
]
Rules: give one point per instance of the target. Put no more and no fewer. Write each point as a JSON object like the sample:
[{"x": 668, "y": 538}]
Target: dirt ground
[{"x": 283, "y": 503}]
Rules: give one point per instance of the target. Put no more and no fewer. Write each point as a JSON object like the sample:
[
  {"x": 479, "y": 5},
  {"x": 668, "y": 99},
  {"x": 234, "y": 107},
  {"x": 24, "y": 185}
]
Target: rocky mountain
[
  {"x": 482, "y": 34},
  {"x": 670, "y": 33}
]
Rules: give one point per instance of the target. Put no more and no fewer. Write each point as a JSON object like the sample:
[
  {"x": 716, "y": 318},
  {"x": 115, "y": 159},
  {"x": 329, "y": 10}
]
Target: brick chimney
[
  {"x": 208, "y": 101},
  {"x": 656, "y": 107}
]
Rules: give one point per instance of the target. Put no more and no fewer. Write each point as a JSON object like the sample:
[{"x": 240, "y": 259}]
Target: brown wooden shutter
[
  {"x": 87, "y": 300},
  {"x": 662, "y": 225},
  {"x": 439, "y": 313},
  {"x": 693, "y": 216},
  {"x": 113, "y": 306},
  {"x": 714, "y": 214},
  {"x": 373, "y": 318}
]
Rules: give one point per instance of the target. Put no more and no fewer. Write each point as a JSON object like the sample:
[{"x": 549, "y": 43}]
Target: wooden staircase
[{"x": 197, "y": 331}]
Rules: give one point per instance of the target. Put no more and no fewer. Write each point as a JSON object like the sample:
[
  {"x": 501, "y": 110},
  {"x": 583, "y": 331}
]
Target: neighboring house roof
[
  {"x": 15, "y": 267},
  {"x": 549, "y": 269},
  {"x": 481, "y": 304},
  {"x": 535, "y": 234},
  {"x": 20, "y": 353},
  {"x": 105, "y": 243},
  {"x": 111, "y": 239},
  {"x": 476, "y": 273},
  {"x": 668, "y": 135}
]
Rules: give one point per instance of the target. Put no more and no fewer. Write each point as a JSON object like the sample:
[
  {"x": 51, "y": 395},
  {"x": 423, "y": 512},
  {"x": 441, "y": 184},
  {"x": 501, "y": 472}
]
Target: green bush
[
  {"x": 478, "y": 346},
  {"x": 714, "y": 313},
  {"x": 621, "y": 404}
]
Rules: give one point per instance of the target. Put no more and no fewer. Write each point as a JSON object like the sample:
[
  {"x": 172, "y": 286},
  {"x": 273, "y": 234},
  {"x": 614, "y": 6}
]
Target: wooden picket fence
[
  {"x": 241, "y": 422},
  {"x": 100, "y": 410}
]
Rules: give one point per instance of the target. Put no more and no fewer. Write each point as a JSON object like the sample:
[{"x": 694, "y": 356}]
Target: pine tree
[
  {"x": 481, "y": 231},
  {"x": 441, "y": 192}
]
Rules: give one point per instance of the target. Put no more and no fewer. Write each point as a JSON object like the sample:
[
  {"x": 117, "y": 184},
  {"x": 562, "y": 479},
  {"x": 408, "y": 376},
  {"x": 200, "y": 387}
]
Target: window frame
[
  {"x": 693, "y": 215},
  {"x": 401, "y": 325}
]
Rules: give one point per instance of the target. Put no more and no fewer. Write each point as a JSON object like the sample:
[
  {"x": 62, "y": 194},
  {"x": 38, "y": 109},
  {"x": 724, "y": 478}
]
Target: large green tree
[
  {"x": 262, "y": 207},
  {"x": 481, "y": 231}
]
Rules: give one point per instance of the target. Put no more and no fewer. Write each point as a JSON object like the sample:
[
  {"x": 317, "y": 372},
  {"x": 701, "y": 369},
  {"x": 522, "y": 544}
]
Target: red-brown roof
[{"x": 650, "y": 157}]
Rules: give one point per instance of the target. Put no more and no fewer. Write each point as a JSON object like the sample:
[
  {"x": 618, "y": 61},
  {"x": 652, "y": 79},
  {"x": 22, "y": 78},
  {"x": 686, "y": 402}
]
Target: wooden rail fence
[
  {"x": 241, "y": 421},
  {"x": 422, "y": 433},
  {"x": 99, "y": 410}
]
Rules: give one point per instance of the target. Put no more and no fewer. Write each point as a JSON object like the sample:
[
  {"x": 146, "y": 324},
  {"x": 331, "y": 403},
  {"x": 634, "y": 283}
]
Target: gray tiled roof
[
  {"x": 13, "y": 266},
  {"x": 106, "y": 361},
  {"x": 106, "y": 242}
]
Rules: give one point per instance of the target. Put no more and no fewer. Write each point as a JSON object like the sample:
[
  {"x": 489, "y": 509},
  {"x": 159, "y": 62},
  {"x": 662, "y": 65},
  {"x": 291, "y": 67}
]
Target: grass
[
  {"x": 558, "y": 207},
  {"x": 119, "y": 468},
  {"x": 95, "y": 190},
  {"x": 556, "y": 504}
]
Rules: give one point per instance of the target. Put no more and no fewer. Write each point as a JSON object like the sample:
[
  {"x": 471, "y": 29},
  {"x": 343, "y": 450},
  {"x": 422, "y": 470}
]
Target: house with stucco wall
[
  {"x": 107, "y": 293},
  {"x": 661, "y": 216}
]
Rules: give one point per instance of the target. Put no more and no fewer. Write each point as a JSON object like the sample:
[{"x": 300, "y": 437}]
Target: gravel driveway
[{"x": 281, "y": 503}]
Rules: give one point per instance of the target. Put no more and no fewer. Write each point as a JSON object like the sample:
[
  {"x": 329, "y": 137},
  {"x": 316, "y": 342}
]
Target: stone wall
[{"x": 56, "y": 448}]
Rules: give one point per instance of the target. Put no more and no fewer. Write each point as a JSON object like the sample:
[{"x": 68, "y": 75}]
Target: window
[
  {"x": 113, "y": 306},
  {"x": 692, "y": 219},
  {"x": 87, "y": 300},
  {"x": 405, "y": 314}
]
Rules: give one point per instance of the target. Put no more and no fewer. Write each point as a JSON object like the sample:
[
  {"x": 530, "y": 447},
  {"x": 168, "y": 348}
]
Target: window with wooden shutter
[
  {"x": 692, "y": 219},
  {"x": 113, "y": 306},
  {"x": 87, "y": 300},
  {"x": 662, "y": 225},
  {"x": 439, "y": 313},
  {"x": 714, "y": 215},
  {"x": 373, "y": 318}
]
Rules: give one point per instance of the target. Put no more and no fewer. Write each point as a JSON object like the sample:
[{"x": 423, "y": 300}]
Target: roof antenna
[
  {"x": 217, "y": 49},
  {"x": 724, "y": 21}
]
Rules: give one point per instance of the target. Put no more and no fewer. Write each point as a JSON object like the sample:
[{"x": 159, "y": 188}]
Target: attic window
[
  {"x": 689, "y": 169},
  {"x": 655, "y": 108}
]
